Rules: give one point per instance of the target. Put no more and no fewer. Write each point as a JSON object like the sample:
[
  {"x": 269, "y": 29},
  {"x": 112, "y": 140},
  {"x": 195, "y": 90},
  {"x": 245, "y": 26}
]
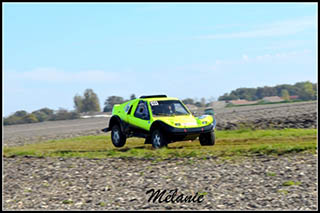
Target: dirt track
[
  {"x": 294, "y": 115},
  {"x": 29, "y": 133},
  {"x": 257, "y": 183}
]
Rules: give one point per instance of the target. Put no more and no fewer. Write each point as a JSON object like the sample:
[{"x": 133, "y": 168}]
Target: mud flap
[
  {"x": 147, "y": 140},
  {"x": 105, "y": 130}
]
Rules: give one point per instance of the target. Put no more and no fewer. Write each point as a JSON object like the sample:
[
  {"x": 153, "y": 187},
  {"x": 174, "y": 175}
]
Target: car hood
[{"x": 186, "y": 121}]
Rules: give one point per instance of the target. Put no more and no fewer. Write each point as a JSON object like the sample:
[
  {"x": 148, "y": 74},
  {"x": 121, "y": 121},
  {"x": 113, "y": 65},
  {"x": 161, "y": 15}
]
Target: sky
[{"x": 53, "y": 51}]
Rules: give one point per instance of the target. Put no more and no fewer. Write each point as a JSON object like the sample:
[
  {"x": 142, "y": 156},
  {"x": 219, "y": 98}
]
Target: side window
[
  {"x": 142, "y": 111},
  {"x": 127, "y": 107}
]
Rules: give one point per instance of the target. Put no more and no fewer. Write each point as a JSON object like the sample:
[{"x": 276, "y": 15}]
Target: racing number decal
[{"x": 154, "y": 103}]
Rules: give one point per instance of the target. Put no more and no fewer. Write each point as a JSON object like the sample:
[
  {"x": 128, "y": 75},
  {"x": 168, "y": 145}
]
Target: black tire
[
  {"x": 207, "y": 139},
  {"x": 158, "y": 139},
  {"x": 117, "y": 136}
]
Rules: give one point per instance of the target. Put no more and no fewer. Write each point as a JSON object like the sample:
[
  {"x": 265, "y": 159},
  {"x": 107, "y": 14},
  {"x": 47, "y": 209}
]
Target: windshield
[{"x": 168, "y": 108}]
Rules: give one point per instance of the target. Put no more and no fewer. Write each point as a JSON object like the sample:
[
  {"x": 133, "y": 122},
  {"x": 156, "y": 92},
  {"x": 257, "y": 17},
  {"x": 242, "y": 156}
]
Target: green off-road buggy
[{"x": 160, "y": 120}]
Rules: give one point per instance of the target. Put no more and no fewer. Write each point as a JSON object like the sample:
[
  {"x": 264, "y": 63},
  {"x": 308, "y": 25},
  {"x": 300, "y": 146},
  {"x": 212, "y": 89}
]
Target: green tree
[
  {"x": 233, "y": 97},
  {"x": 63, "y": 114},
  {"x": 111, "y": 101},
  {"x": 307, "y": 92},
  {"x": 30, "y": 118},
  {"x": 188, "y": 101},
  {"x": 78, "y": 103},
  {"x": 12, "y": 120},
  {"x": 91, "y": 101},
  {"x": 224, "y": 97},
  {"x": 41, "y": 116},
  {"x": 20, "y": 113},
  {"x": 132, "y": 97},
  {"x": 315, "y": 89},
  {"x": 53, "y": 117},
  {"x": 290, "y": 88},
  {"x": 47, "y": 111},
  {"x": 16, "y": 118},
  {"x": 88, "y": 103},
  {"x": 74, "y": 115},
  {"x": 285, "y": 94}
]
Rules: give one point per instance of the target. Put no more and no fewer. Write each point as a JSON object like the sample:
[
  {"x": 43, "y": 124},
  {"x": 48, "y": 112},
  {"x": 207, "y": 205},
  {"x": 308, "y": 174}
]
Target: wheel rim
[
  {"x": 116, "y": 136},
  {"x": 156, "y": 140}
]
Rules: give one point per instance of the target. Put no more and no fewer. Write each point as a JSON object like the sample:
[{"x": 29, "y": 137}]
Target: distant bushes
[
  {"x": 304, "y": 90},
  {"x": 44, "y": 114},
  {"x": 63, "y": 114}
]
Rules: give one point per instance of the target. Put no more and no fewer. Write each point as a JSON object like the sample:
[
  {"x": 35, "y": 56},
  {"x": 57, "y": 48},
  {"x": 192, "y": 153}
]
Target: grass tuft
[
  {"x": 291, "y": 183},
  {"x": 271, "y": 174},
  {"x": 229, "y": 144},
  {"x": 67, "y": 202}
]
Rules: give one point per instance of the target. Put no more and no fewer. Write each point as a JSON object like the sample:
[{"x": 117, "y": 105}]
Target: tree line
[
  {"x": 89, "y": 102},
  {"x": 44, "y": 114},
  {"x": 304, "y": 90}
]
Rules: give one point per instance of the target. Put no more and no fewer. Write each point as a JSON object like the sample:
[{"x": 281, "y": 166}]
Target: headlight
[
  {"x": 214, "y": 123},
  {"x": 177, "y": 124},
  {"x": 204, "y": 122}
]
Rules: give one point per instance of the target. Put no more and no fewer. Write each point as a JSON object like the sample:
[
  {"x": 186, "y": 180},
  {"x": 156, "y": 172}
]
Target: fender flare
[
  {"x": 159, "y": 125},
  {"x": 115, "y": 119}
]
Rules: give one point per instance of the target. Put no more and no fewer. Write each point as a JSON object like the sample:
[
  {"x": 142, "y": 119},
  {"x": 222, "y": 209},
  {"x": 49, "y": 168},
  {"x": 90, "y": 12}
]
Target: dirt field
[
  {"x": 293, "y": 115},
  {"x": 286, "y": 182},
  {"x": 258, "y": 183}
]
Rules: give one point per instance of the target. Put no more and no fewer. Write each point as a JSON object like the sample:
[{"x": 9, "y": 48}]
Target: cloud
[
  {"x": 53, "y": 75},
  {"x": 280, "y": 28},
  {"x": 294, "y": 56},
  {"x": 245, "y": 57},
  {"x": 289, "y": 58}
]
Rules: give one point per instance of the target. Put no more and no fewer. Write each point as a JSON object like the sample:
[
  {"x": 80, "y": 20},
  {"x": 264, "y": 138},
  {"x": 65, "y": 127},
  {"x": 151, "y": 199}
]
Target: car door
[
  {"x": 127, "y": 110},
  {"x": 141, "y": 116}
]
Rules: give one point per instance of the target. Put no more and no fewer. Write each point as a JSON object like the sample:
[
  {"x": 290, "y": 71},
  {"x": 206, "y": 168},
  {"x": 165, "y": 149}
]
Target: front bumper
[
  {"x": 181, "y": 134},
  {"x": 196, "y": 130}
]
